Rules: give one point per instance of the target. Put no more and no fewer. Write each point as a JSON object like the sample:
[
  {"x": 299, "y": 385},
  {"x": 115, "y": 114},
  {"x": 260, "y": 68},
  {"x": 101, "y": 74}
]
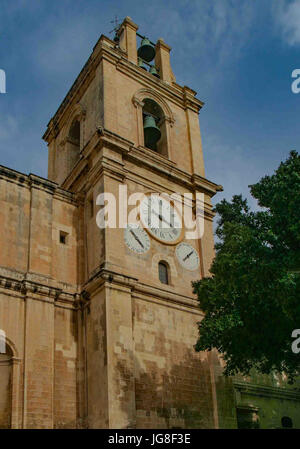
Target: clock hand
[
  {"x": 189, "y": 255},
  {"x": 136, "y": 238},
  {"x": 161, "y": 218}
]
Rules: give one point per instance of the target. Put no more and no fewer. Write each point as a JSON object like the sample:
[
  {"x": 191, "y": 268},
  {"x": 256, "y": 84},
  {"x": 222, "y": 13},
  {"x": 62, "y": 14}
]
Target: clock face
[
  {"x": 187, "y": 256},
  {"x": 136, "y": 239},
  {"x": 161, "y": 219}
]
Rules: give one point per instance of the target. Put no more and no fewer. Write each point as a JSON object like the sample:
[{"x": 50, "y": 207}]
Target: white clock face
[
  {"x": 161, "y": 219},
  {"x": 187, "y": 256},
  {"x": 136, "y": 239}
]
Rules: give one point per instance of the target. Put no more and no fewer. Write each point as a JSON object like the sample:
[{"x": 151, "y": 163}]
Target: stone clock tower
[
  {"x": 137, "y": 317},
  {"x": 101, "y": 322},
  {"x": 98, "y": 323}
]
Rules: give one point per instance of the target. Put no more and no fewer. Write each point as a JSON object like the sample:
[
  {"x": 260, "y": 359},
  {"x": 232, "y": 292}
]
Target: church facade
[{"x": 100, "y": 323}]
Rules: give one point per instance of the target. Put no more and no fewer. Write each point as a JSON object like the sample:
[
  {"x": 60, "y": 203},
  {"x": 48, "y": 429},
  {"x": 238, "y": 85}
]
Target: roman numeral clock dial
[
  {"x": 161, "y": 219},
  {"x": 187, "y": 256},
  {"x": 136, "y": 239}
]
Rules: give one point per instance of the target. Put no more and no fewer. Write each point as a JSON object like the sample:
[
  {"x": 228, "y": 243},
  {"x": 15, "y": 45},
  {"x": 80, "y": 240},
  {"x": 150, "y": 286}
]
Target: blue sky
[{"x": 237, "y": 54}]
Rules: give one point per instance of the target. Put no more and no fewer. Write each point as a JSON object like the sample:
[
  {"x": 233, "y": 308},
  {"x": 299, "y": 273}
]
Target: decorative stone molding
[
  {"x": 190, "y": 101},
  {"x": 170, "y": 120},
  {"x": 141, "y": 94},
  {"x": 140, "y": 155},
  {"x": 267, "y": 391},
  {"x": 82, "y": 300},
  {"x": 45, "y": 184},
  {"x": 34, "y": 181},
  {"x": 53, "y": 129},
  {"x": 29, "y": 288},
  {"x": 102, "y": 275},
  {"x": 137, "y": 102},
  {"x": 13, "y": 176}
]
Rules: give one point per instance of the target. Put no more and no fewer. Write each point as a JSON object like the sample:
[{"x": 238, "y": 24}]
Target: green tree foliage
[{"x": 252, "y": 300}]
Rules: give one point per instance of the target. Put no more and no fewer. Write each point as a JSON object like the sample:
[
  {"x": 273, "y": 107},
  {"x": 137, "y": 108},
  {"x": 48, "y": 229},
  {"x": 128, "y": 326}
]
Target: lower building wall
[
  {"x": 5, "y": 390},
  {"x": 173, "y": 385},
  {"x": 66, "y": 399},
  {"x": 39, "y": 367},
  {"x": 95, "y": 337},
  {"x": 271, "y": 409},
  {"x": 124, "y": 361}
]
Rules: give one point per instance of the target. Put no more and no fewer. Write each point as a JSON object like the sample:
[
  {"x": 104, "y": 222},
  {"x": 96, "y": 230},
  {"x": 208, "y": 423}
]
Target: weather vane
[{"x": 115, "y": 30}]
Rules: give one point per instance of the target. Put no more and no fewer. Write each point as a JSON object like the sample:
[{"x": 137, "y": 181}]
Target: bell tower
[{"x": 126, "y": 125}]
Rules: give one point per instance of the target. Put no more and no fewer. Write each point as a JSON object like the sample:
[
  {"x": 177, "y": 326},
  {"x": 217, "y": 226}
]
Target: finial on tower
[{"x": 116, "y": 28}]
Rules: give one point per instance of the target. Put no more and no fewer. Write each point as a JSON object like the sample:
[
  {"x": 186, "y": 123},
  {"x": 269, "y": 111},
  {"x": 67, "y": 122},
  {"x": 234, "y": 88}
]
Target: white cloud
[
  {"x": 207, "y": 37},
  {"x": 210, "y": 31},
  {"x": 287, "y": 15}
]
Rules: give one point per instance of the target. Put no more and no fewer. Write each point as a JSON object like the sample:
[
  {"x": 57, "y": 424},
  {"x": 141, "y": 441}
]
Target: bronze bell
[
  {"x": 146, "y": 50},
  {"x": 152, "y": 132},
  {"x": 153, "y": 71},
  {"x": 141, "y": 64}
]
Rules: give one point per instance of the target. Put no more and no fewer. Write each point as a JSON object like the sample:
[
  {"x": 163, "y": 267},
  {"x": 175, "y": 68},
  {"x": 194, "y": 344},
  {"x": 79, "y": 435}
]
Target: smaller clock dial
[
  {"x": 136, "y": 239},
  {"x": 187, "y": 256}
]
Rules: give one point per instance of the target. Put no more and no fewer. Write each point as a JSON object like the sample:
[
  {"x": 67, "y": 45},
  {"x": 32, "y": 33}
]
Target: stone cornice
[
  {"x": 101, "y": 275},
  {"x": 32, "y": 181},
  {"x": 37, "y": 290},
  {"x": 156, "y": 163},
  {"x": 128, "y": 21},
  {"x": 141, "y": 156},
  {"x": 104, "y": 276},
  {"x": 204, "y": 184},
  {"x": 161, "y": 43},
  {"x": 268, "y": 391},
  {"x": 42, "y": 183},
  {"x": 10, "y": 175}
]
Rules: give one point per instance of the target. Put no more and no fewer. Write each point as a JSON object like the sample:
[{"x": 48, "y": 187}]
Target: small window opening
[
  {"x": 163, "y": 273},
  {"x": 63, "y": 238}
]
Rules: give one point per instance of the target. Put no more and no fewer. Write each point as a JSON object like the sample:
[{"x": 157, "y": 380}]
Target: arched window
[
  {"x": 286, "y": 422},
  {"x": 73, "y": 144},
  {"x": 149, "y": 103},
  {"x": 163, "y": 272},
  {"x": 6, "y": 388},
  {"x": 155, "y": 134}
]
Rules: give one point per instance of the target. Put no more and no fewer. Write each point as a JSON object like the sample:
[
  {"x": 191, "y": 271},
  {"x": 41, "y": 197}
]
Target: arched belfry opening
[
  {"x": 6, "y": 362},
  {"x": 154, "y": 122},
  {"x": 155, "y": 136},
  {"x": 73, "y": 143}
]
